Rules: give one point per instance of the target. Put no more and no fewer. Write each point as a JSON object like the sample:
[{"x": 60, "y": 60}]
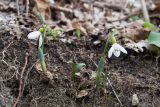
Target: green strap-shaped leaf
[
  {"x": 154, "y": 39},
  {"x": 40, "y": 54},
  {"x": 76, "y": 68},
  {"x": 41, "y": 58},
  {"x": 101, "y": 65},
  {"x": 100, "y": 71}
]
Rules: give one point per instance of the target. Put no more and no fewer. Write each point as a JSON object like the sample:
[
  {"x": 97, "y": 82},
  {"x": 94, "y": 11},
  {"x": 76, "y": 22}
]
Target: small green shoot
[
  {"x": 55, "y": 33},
  {"x": 41, "y": 19},
  {"x": 78, "y": 33},
  {"x": 100, "y": 70},
  {"x": 133, "y": 18},
  {"x": 149, "y": 26},
  {"x": 43, "y": 30},
  {"x": 76, "y": 67}
]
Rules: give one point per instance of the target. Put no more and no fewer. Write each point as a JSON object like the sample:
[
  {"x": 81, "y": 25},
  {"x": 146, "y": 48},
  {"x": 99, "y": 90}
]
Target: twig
[
  {"x": 114, "y": 92},
  {"x": 27, "y": 7},
  {"x": 123, "y": 18},
  {"x": 5, "y": 49},
  {"x": 108, "y": 5},
  {"x": 62, "y": 9},
  {"x": 21, "y": 81},
  {"x": 145, "y": 11},
  {"x": 17, "y": 6},
  {"x": 25, "y": 79}
]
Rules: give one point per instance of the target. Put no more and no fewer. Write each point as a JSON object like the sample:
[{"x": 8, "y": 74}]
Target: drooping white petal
[
  {"x": 110, "y": 51},
  {"x": 121, "y": 49},
  {"x": 116, "y": 53},
  {"x": 34, "y": 35},
  {"x": 51, "y": 1},
  {"x": 40, "y": 41}
]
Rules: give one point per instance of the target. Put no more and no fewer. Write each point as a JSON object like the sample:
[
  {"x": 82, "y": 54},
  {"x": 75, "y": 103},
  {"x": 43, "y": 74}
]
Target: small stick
[
  {"x": 25, "y": 79},
  {"x": 27, "y": 7},
  {"x": 21, "y": 81},
  {"x": 145, "y": 11},
  {"x": 114, "y": 92},
  {"x": 17, "y": 6},
  {"x": 63, "y": 9}
]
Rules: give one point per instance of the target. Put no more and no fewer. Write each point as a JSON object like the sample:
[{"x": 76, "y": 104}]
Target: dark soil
[
  {"x": 132, "y": 73},
  {"x": 129, "y": 74}
]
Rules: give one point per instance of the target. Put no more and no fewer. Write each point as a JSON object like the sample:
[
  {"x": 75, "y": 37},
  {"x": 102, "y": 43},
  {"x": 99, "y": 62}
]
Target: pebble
[{"x": 135, "y": 100}]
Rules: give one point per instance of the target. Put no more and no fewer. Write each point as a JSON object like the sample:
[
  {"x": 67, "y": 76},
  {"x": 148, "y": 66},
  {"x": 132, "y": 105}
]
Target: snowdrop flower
[
  {"x": 36, "y": 35},
  {"x": 116, "y": 49}
]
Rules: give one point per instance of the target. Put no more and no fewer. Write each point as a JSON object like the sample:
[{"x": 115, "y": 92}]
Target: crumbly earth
[
  {"x": 129, "y": 74},
  {"x": 134, "y": 73}
]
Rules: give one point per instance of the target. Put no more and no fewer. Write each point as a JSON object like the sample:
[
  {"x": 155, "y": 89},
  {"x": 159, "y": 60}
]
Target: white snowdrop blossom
[
  {"x": 36, "y": 35},
  {"x": 116, "y": 49}
]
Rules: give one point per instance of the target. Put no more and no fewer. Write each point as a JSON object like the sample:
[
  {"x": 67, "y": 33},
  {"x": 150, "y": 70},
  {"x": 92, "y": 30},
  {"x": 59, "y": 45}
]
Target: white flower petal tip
[
  {"x": 116, "y": 49},
  {"x": 110, "y": 52},
  {"x": 34, "y": 35},
  {"x": 40, "y": 41},
  {"x": 122, "y": 49}
]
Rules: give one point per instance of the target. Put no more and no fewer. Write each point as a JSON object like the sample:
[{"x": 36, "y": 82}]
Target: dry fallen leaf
[
  {"x": 138, "y": 47},
  {"x": 135, "y": 32},
  {"x": 77, "y": 25},
  {"x": 42, "y": 7},
  {"x": 91, "y": 30}
]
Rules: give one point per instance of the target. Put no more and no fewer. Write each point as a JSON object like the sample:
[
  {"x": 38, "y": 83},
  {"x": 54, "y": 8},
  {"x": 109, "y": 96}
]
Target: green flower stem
[
  {"x": 41, "y": 58},
  {"x": 113, "y": 39},
  {"x": 43, "y": 31},
  {"x": 41, "y": 49},
  {"x": 43, "y": 36},
  {"x": 105, "y": 48}
]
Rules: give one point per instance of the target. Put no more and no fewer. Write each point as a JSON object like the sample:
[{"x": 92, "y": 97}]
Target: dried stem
[
  {"x": 145, "y": 11},
  {"x": 21, "y": 81},
  {"x": 27, "y": 6},
  {"x": 17, "y": 6}
]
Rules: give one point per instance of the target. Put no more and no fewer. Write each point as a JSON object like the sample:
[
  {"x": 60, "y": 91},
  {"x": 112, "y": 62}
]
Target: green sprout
[
  {"x": 75, "y": 68},
  {"x": 149, "y": 26},
  {"x": 100, "y": 70},
  {"x": 55, "y": 33},
  {"x": 78, "y": 33}
]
